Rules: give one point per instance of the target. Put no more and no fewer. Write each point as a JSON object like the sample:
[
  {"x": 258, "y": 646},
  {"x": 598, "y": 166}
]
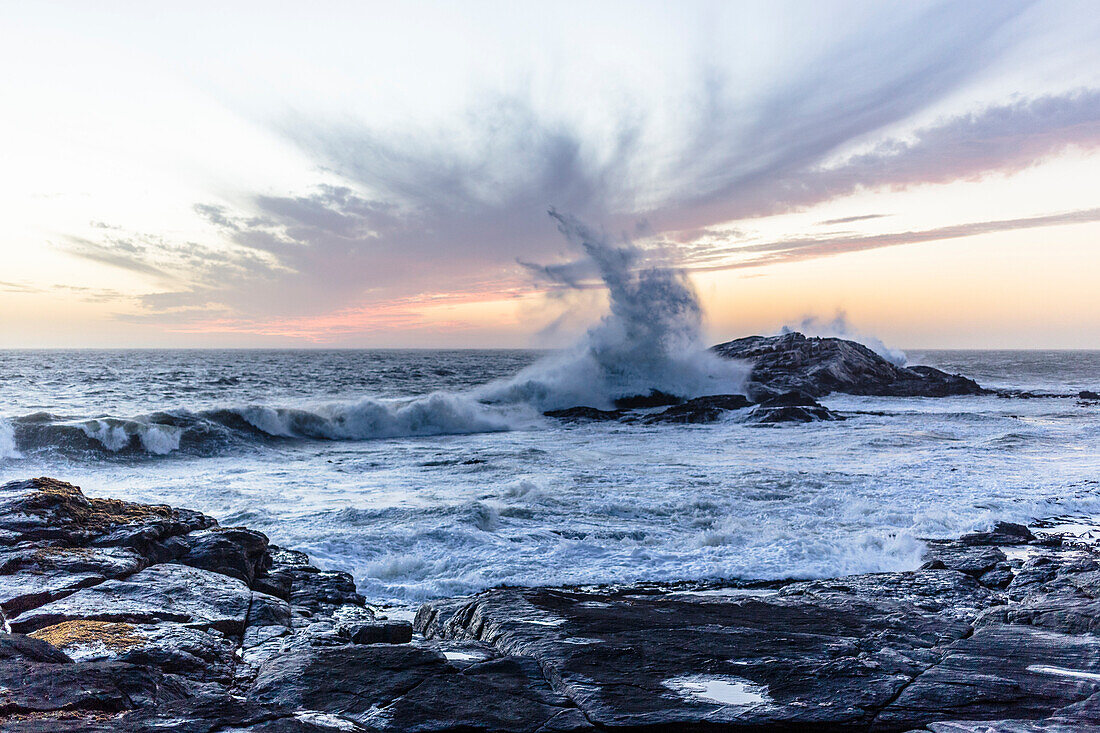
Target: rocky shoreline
[{"x": 130, "y": 617}]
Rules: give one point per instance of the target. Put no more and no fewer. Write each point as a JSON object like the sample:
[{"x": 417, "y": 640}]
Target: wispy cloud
[
  {"x": 803, "y": 248},
  {"x": 850, "y": 219}
]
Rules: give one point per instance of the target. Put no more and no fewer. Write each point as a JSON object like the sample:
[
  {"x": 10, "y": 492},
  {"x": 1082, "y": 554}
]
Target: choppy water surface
[{"x": 391, "y": 464}]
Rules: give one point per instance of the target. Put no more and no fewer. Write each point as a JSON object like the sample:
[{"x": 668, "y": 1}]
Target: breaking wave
[
  {"x": 215, "y": 431},
  {"x": 7, "y": 441}
]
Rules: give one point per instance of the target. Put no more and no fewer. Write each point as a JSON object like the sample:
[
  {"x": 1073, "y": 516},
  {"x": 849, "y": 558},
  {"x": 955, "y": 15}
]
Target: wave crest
[{"x": 213, "y": 431}]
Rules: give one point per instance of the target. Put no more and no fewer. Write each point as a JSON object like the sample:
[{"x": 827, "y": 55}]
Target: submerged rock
[
  {"x": 793, "y": 406},
  {"x": 1003, "y": 533},
  {"x": 584, "y": 413},
  {"x": 655, "y": 398},
  {"x": 819, "y": 366},
  {"x": 700, "y": 410}
]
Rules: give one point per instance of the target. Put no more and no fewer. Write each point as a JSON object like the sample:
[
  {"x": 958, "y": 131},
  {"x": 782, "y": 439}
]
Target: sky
[{"x": 355, "y": 174}]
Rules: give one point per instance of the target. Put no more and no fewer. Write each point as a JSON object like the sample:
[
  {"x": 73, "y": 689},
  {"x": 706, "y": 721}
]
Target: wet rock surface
[
  {"x": 169, "y": 622},
  {"x": 818, "y": 366},
  {"x": 790, "y": 407}
]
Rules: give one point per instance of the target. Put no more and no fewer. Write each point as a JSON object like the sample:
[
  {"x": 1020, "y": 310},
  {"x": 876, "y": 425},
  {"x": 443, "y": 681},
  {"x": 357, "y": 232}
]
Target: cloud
[
  {"x": 804, "y": 248},
  {"x": 23, "y": 288},
  {"x": 117, "y": 252},
  {"x": 850, "y": 219},
  {"x": 462, "y": 209}
]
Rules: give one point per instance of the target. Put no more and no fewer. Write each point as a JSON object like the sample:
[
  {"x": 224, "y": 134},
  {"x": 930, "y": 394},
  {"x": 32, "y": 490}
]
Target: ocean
[{"x": 402, "y": 468}]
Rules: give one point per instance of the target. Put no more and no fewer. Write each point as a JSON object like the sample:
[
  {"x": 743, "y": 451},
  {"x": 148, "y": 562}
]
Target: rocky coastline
[{"x": 130, "y": 617}]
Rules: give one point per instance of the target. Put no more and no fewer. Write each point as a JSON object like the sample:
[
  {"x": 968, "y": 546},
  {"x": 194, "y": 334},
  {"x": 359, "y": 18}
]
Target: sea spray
[
  {"x": 650, "y": 339},
  {"x": 839, "y": 327}
]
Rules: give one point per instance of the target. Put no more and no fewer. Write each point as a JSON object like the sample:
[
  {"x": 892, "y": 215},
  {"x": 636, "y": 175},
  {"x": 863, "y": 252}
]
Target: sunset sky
[{"x": 379, "y": 174}]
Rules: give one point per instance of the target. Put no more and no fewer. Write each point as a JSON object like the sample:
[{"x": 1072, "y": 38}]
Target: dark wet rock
[
  {"x": 30, "y": 649},
  {"x": 1003, "y": 533},
  {"x": 35, "y": 576},
  {"x": 171, "y": 648},
  {"x": 268, "y": 611},
  {"x": 584, "y": 413},
  {"x": 819, "y": 366},
  {"x": 313, "y": 591},
  {"x": 35, "y": 680},
  {"x": 507, "y": 694},
  {"x": 655, "y": 398},
  {"x": 351, "y": 680},
  {"x": 382, "y": 632},
  {"x": 793, "y": 406},
  {"x": 202, "y": 714},
  {"x": 1001, "y": 671},
  {"x": 700, "y": 410},
  {"x": 239, "y": 553},
  {"x": 997, "y": 578},
  {"x": 23, "y": 591},
  {"x": 277, "y": 583},
  {"x": 974, "y": 561},
  {"x": 167, "y": 592},
  {"x": 1089, "y": 395},
  {"x": 821, "y": 655},
  {"x": 54, "y": 512},
  {"x": 107, "y": 562}
]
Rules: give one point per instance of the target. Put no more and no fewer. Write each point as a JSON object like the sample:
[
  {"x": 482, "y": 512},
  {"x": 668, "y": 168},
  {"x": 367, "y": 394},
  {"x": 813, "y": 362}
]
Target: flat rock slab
[
  {"x": 32, "y": 577},
  {"x": 168, "y": 592},
  {"x": 508, "y": 695},
  {"x": 815, "y": 656},
  {"x": 1001, "y": 671},
  {"x": 350, "y": 680}
]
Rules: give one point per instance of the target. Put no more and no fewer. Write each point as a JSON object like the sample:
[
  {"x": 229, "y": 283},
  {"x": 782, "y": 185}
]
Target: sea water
[{"x": 404, "y": 469}]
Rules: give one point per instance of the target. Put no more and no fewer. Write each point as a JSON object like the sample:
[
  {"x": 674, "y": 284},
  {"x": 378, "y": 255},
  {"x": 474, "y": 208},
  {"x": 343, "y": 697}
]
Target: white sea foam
[
  {"x": 7, "y": 441},
  {"x": 435, "y": 414},
  {"x": 115, "y": 435}
]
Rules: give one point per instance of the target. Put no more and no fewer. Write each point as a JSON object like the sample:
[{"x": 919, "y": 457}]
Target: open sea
[{"x": 404, "y": 469}]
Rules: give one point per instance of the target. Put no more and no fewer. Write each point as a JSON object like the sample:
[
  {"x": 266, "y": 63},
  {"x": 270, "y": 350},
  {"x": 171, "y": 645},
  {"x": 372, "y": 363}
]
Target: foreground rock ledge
[{"x": 128, "y": 617}]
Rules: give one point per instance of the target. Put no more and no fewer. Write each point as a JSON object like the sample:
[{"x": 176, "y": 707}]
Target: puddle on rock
[{"x": 724, "y": 690}]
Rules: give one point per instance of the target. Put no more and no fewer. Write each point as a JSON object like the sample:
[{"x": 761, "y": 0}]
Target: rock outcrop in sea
[
  {"x": 131, "y": 617},
  {"x": 788, "y": 372},
  {"x": 818, "y": 366}
]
